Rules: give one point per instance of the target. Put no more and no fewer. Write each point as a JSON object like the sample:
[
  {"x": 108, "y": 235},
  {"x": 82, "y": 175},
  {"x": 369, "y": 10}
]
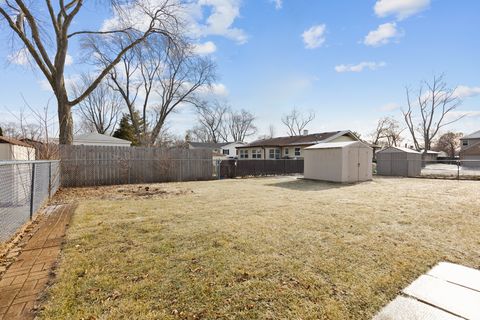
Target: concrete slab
[
  {"x": 404, "y": 308},
  {"x": 447, "y": 296},
  {"x": 461, "y": 275}
]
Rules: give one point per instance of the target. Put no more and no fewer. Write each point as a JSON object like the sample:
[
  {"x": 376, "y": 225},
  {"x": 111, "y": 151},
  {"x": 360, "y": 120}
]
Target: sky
[{"x": 349, "y": 61}]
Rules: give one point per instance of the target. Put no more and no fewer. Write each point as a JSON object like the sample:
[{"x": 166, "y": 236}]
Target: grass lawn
[{"x": 269, "y": 248}]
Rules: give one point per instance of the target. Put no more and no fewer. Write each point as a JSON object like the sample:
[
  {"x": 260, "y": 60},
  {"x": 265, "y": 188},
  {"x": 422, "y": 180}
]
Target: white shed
[
  {"x": 13, "y": 149},
  {"x": 349, "y": 161},
  {"x": 98, "y": 139}
]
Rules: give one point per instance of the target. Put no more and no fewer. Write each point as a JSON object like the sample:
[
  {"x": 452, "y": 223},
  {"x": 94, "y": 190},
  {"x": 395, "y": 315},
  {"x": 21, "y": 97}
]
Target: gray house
[{"x": 470, "y": 150}]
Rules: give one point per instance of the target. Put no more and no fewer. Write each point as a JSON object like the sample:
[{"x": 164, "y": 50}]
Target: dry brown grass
[{"x": 272, "y": 248}]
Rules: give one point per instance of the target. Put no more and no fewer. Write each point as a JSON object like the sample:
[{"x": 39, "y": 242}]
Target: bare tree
[
  {"x": 35, "y": 127},
  {"x": 211, "y": 120},
  {"x": 428, "y": 112},
  {"x": 387, "y": 133},
  {"x": 101, "y": 109},
  {"x": 26, "y": 20},
  {"x": 297, "y": 121},
  {"x": 155, "y": 80},
  {"x": 239, "y": 125},
  {"x": 449, "y": 143},
  {"x": 198, "y": 134}
]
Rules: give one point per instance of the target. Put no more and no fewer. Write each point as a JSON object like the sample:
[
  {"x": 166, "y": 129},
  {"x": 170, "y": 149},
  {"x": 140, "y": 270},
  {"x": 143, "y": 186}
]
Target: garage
[
  {"x": 398, "y": 161},
  {"x": 349, "y": 161}
]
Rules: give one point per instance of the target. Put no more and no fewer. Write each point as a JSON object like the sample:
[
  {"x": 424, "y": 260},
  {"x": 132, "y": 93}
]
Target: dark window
[
  {"x": 226, "y": 152},
  {"x": 297, "y": 152},
  {"x": 257, "y": 154},
  {"x": 465, "y": 143},
  {"x": 243, "y": 154}
]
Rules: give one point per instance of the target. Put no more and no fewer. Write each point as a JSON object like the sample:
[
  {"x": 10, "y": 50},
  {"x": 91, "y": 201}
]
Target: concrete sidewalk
[
  {"x": 447, "y": 292},
  {"x": 27, "y": 277}
]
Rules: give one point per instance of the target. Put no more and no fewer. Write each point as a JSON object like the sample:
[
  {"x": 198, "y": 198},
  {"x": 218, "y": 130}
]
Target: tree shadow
[{"x": 301, "y": 184}]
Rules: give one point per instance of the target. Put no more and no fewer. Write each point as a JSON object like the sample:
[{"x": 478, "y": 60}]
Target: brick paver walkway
[{"x": 27, "y": 277}]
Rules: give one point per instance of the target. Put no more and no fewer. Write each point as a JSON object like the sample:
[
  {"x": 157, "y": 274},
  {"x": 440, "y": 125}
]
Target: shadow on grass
[{"x": 308, "y": 185}]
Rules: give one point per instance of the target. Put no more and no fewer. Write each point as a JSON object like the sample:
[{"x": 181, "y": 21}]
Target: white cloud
[
  {"x": 382, "y": 35},
  {"x": 20, "y": 57},
  {"x": 68, "y": 60},
  {"x": 205, "y": 48},
  {"x": 315, "y": 36},
  {"x": 400, "y": 8},
  {"x": 201, "y": 17},
  {"x": 219, "y": 89},
  {"x": 360, "y": 67},
  {"x": 278, "y": 4},
  {"x": 216, "y": 89},
  {"x": 223, "y": 14},
  {"x": 392, "y": 106},
  {"x": 466, "y": 92}
]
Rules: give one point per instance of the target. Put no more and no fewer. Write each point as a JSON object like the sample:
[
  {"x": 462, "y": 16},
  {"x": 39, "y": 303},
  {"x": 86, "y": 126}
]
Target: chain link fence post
[
  {"x": 49, "y": 181},
  {"x": 32, "y": 191}
]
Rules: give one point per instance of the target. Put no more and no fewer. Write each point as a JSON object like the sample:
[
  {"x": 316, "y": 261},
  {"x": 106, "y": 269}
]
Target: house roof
[
  {"x": 309, "y": 139},
  {"x": 99, "y": 138},
  {"x": 208, "y": 145},
  {"x": 13, "y": 141},
  {"x": 429, "y": 151},
  {"x": 336, "y": 145},
  {"x": 408, "y": 150},
  {"x": 475, "y": 135}
]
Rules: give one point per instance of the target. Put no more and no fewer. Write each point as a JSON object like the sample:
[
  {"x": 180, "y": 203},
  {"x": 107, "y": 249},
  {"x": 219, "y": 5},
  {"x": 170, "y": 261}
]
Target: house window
[
  {"x": 243, "y": 154},
  {"x": 465, "y": 143},
  {"x": 286, "y": 151},
  {"x": 226, "y": 152},
  {"x": 257, "y": 154},
  {"x": 274, "y": 153},
  {"x": 297, "y": 152}
]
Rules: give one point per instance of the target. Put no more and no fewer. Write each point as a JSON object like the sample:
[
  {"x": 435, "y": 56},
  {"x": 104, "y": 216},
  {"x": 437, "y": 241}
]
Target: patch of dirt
[{"x": 124, "y": 192}]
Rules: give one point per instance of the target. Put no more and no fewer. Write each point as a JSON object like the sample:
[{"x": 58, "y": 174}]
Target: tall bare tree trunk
[{"x": 66, "y": 122}]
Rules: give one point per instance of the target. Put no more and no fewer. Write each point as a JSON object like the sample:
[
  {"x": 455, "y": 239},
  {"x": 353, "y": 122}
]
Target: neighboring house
[
  {"x": 430, "y": 155},
  {"x": 224, "y": 149},
  {"x": 470, "y": 150},
  {"x": 98, "y": 139},
  {"x": 13, "y": 149},
  {"x": 290, "y": 147},
  {"x": 469, "y": 140}
]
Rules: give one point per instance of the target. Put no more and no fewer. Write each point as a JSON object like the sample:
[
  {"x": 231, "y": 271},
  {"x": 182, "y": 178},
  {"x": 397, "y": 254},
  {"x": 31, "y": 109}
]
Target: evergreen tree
[
  {"x": 126, "y": 131},
  {"x": 1, "y": 132}
]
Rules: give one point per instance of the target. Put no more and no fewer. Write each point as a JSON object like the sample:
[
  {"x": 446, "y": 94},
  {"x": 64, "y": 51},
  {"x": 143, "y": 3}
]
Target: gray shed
[
  {"x": 398, "y": 161},
  {"x": 349, "y": 161}
]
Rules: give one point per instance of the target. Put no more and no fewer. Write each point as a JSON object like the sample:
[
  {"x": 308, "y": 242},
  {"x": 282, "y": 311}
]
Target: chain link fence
[
  {"x": 443, "y": 169},
  {"x": 25, "y": 186}
]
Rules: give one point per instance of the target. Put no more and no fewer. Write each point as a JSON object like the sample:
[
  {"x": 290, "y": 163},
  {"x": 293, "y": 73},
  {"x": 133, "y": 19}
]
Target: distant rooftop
[
  {"x": 308, "y": 139},
  {"x": 13, "y": 141},
  {"x": 475, "y": 135}
]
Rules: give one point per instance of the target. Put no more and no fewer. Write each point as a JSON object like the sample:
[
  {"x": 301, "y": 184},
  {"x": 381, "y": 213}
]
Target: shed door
[
  {"x": 353, "y": 164},
  {"x": 363, "y": 164}
]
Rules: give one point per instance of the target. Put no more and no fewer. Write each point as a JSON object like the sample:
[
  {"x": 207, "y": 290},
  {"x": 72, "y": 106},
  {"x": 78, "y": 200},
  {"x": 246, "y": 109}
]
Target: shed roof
[
  {"x": 13, "y": 141},
  {"x": 99, "y": 138},
  {"x": 337, "y": 145},
  {"x": 475, "y": 135},
  {"x": 401, "y": 149}
]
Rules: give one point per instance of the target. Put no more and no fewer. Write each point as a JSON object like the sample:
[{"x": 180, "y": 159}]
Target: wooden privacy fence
[
  {"x": 83, "y": 166},
  {"x": 245, "y": 168}
]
